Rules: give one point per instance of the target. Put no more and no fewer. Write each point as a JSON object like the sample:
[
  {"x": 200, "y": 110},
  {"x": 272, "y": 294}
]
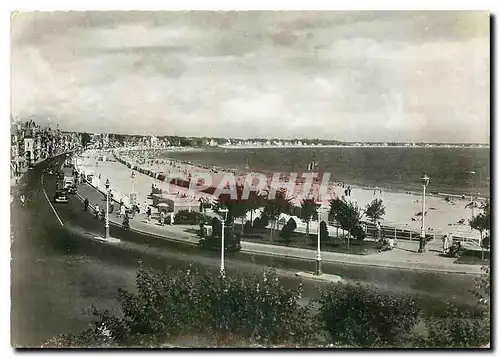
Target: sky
[{"x": 351, "y": 76}]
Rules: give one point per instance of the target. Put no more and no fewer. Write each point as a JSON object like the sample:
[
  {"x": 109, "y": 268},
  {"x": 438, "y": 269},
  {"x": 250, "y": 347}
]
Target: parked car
[
  {"x": 71, "y": 189},
  {"x": 61, "y": 197}
]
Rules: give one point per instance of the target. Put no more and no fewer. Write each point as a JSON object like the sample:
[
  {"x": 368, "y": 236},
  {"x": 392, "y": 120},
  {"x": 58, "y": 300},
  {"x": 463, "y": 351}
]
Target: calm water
[{"x": 391, "y": 168}]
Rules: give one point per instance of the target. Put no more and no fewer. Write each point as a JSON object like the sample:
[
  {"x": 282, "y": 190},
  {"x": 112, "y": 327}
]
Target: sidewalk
[
  {"x": 403, "y": 257},
  {"x": 121, "y": 182}
]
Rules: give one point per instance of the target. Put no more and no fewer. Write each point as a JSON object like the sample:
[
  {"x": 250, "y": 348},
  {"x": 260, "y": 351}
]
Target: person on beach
[
  {"x": 126, "y": 222},
  {"x": 122, "y": 209},
  {"x": 446, "y": 242},
  {"x": 379, "y": 232},
  {"x": 388, "y": 244}
]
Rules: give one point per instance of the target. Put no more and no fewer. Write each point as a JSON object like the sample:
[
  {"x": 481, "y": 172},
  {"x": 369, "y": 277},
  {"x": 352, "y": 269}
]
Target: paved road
[{"x": 59, "y": 270}]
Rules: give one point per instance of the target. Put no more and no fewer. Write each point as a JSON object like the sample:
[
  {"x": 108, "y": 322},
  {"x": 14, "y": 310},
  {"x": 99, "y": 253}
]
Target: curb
[{"x": 263, "y": 253}]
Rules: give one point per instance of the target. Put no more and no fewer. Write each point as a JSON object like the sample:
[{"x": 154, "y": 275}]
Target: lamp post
[
  {"x": 319, "y": 270},
  {"x": 425, "y": 181},
  {"x": 107, "y": 208},
  {"x": 225, "y": 211}
]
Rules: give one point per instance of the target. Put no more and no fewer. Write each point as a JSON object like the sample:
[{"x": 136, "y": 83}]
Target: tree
[
  {"x": 237, "y": 208},
  {"x": 375, "y": 210},
  {"x": 347, "y": 214},
  {"x": 253, "y": 202},
  {"x": 309, "y": 209},
  {"x": 85, "y": 139},
  {"x": 277, "y": 206},
  {"x": 482, "y": 222}
]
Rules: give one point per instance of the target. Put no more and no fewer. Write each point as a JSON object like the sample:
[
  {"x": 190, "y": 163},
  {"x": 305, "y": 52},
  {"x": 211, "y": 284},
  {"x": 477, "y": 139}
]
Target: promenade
[{"x": 404, "y": 256}]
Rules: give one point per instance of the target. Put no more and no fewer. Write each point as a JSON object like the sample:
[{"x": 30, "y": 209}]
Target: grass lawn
[
  {"x": 473, "y": 258},
  {"x": 299, "y": 240},
  {"x": 192, "y": 231}
]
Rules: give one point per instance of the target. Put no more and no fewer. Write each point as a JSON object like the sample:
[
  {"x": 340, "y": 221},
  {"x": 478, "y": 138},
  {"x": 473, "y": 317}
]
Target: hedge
[
  {"x": 258, "y": 308},
  {"x": 185, "y": 301}
]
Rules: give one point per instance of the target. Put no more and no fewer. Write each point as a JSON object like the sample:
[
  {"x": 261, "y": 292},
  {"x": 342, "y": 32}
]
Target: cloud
[{"x": 343, "y": 75}]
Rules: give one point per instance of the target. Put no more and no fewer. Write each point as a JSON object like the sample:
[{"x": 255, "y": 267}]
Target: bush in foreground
[
  {"x": 179, "y": 306},
  {"x": 186, "y": 217},
  {"x": 176, "y": 302},
  {"x": 366, "y": 316}
]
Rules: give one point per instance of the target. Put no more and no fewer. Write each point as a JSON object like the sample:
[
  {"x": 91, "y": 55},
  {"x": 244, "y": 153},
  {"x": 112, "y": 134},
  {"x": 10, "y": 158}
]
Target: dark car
[
  {"x": 61, "y": 197},
  {"x": 60, "y": 175},
  {"x": 72, "y": 189}
]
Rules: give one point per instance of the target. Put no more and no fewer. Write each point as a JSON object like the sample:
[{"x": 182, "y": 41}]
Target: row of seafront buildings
[{"x": 31, "y": 142}]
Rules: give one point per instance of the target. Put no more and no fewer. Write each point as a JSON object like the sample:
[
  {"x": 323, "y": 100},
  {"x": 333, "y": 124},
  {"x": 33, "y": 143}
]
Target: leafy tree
[
  {"x": 237, "y": 208},
  {"x": 375, "y": 210},
  {"x": 347, "y": 214},
  {"x": 275, "y": 207},
  {"x": 309, "y": 208},
  {"x": 253, "y": 202},
  {"x": 482, "y": 223}
]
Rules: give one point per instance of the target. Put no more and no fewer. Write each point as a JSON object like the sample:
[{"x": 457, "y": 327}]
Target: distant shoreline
[
  {"x": 347, "y": 146},
  {"x": 437, "y": 193}
]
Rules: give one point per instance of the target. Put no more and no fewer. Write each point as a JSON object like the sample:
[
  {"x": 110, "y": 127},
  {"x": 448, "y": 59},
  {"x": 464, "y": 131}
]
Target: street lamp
[
  {"x": 107, "y": 208},
  {"x": 319, "y": 270},
  {"x": 225, "y": 211},
  {"x": 425, "y": 181}
]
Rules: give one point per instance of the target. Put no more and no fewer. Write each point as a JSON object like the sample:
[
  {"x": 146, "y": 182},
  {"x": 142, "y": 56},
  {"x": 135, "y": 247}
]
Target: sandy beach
[{"x": 401, "y": 208}]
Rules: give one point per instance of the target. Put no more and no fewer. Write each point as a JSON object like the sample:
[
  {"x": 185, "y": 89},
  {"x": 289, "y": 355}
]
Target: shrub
[
  {"x": 232, "y": 241},
  {"x": 216, "y": 227},
  {"x": 358, "y": 232},
  {"x": 264, "y": 220},
  {"x": 261, "y": 223},
  {"x": 288, "y": 229},
  {"x": 366, "y": 316},
  {"x": 184, "y": 301},
  {"x": 186, "y": 217},
  {"x": 323, "y": 231},
  {"x": 455, "y": 327}
]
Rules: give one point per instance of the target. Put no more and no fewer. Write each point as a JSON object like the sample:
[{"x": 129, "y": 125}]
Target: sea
[{"x": 455, "y": 171}]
